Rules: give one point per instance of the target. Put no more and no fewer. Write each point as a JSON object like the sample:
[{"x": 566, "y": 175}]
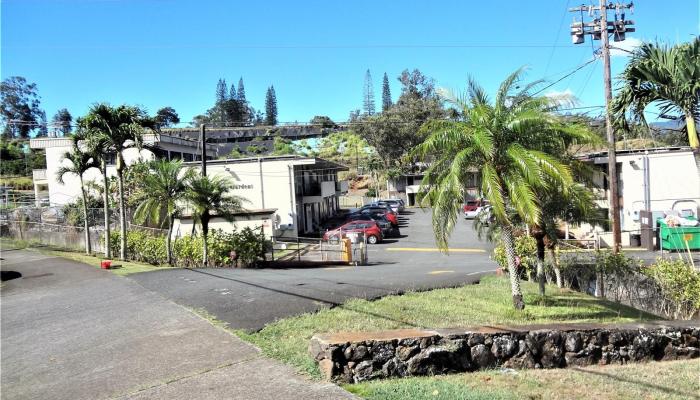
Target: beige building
[
  {"x": 287, "y": 195},
  {"x": 657, "y": 180}
]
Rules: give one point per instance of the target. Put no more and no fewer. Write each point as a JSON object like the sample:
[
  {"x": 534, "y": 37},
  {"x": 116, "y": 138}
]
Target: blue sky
[{"x": 159, "y": 53}]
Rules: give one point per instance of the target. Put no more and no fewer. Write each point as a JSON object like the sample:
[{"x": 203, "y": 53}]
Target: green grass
[
  {"x": 487, "y": 303},
  {"x": 123, "y": 268},
  {"x": 656, "y": 380}
]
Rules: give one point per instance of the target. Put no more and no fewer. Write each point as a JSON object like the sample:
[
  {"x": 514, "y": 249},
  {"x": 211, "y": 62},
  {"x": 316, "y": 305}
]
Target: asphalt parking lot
[{"x": 249, "y": 299}]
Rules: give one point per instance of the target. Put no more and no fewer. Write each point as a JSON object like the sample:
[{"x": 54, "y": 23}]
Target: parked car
[
  {"x": 392, "y": 205},
  {"x": 472, "y": 208},
  {"x": 395, "y": 204},
  {"x": 373, "y": 233},
  {"x": 485, "y": 215},
  {"x": 390, "y": 215},
  {"x": 380, "y": 218}
]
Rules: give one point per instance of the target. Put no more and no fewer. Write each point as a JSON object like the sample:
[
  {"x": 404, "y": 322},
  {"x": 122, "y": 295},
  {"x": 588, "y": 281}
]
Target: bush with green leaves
[
  {"x": 73, "y": 212},
  {"x": 525, "y": 250},
  {"x": 141, "y": 246},
  {"x": 680, "y": 285},
  {"x": 147, "y": 247}
]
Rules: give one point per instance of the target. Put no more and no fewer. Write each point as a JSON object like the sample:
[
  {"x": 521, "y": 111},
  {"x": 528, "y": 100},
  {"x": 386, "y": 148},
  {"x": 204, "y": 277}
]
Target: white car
[{"x": 471, "y": 214}]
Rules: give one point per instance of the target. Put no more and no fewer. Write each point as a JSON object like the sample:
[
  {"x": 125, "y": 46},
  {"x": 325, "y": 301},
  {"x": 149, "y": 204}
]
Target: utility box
[{"x": 647, "y": 223}]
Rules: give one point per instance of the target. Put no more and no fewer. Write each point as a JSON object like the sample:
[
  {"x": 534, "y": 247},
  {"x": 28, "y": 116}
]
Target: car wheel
[{"x": 371, "y": 239}]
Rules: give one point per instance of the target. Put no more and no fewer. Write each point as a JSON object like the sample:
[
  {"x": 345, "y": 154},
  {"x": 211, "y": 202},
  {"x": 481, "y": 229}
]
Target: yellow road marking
[
  {"x": 439, "y": 272},
  {"x": 427, "y": 249}
]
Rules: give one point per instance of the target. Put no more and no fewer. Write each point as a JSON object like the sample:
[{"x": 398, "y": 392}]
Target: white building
[
  {"x": 658, "y": 180},
  {"x": 287, "y": 195},
  {"x": 407, "y": 187},
  {"x": 155, "y": 146}
]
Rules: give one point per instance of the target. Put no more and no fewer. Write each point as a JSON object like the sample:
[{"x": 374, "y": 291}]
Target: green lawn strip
[
  {"x": 486, "y": 303},
  {"x": 123, "y": 268},
  {"x": 655, "y": 380}
]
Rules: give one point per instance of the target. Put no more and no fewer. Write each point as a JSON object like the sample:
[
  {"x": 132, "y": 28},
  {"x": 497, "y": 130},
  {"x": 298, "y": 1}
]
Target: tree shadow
[
  {"x": 330, "y": 303},
  {"x": 9, "y": 275},
  {"x": 664, "y": 389}
]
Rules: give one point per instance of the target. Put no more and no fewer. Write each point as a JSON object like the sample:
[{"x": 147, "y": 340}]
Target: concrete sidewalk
[{"x": 71, "y": 331}]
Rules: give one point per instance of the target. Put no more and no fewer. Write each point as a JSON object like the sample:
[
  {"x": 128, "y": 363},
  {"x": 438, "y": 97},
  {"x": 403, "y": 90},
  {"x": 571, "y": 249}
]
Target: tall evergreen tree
[
  {"x": 232, "y": 93},
  {"x": 368, "y": 96},
  {"x": 62, "y": 121},
  {"x": 221, "y": 91},
  {"x": 271, "y": 107},
  {"x": 386, "y": 94},
  {"x": 241, "y": 91}
]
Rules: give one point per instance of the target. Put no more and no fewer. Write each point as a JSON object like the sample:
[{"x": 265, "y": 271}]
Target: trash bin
[{"x": 679, "y": 237}]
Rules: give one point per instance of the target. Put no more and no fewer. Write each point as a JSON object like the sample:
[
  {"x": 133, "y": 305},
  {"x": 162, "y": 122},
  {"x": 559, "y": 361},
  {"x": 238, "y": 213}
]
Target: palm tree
[
  {"x": 166, "y": 188},
  {"x": 80, "y": 162},
  {"x": 117, "y": 129},
  {"x": 667, "y": 76},
  {"x": 210, "y": 196},
  {"x": 503, "y": 140},
  {"x": 573, "y": 206}
]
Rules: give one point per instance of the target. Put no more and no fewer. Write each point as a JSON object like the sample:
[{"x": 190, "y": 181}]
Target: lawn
[
  {"x": 658, "y": 380},
  {"x": 123, "y": 267},
  {"x": 486, "y": 303}
]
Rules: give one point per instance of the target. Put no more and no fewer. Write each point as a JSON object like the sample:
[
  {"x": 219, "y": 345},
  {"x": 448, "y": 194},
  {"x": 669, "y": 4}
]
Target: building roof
[
  {"x": 655, "y": 150},
  {"x": 148, "y": 139},
  {"x": 294, "y": 159},
  {"x": 258, "y": 211}
]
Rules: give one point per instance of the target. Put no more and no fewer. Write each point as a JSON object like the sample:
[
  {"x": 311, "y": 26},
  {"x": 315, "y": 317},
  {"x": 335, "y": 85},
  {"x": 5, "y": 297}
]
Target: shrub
[
  {"x": 680, "y": 285},
  {"x": 187, "y": 251},
  {"x": 525, "y": 250},
  {"x": 141, "y": 246},
  {"x": 74, "y": 211}
]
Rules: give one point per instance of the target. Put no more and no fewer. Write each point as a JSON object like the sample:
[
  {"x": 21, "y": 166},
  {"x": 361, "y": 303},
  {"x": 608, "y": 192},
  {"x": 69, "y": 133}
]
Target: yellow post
[{"x": 347, "y": 250}]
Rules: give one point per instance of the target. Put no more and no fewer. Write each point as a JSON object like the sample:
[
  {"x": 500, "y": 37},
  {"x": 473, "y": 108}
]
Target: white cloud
[
  {"x": 625, "y": 47},
  {"x": 557, "y": 94}
]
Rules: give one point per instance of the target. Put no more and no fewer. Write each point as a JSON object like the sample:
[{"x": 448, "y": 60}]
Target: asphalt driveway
[
  {"x": 250, "y": 299},
  {"x": 71, "y": 331}
]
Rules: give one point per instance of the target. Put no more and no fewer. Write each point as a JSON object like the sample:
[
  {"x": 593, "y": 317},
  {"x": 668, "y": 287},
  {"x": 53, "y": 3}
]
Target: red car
[
  {"x": 472, "y": 207},
  {"x": 372, "y": 232}
]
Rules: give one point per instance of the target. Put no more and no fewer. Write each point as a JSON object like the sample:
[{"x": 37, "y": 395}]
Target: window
[{"x": 188, "y": 157}]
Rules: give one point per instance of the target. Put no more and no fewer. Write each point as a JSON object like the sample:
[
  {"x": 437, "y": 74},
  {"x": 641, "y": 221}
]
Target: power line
[
  {"x": 565, "y": 76},
  {"x": 561, "y": 24},
  {"x": 297, "y": 46}
]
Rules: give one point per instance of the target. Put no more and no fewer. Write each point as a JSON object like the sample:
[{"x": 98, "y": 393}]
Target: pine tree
[
  {"x": 232, "y": 93},
  {"x": 246, "y": 114},
  {"x": 221, "y": 91},
  {"x": 241, "y": 91},
  {"x": 386, "y": 94},
  {"x": 62, "y": 122},
  {"x": 368, "y": 98},
  {"x": 270, "y": 107}
]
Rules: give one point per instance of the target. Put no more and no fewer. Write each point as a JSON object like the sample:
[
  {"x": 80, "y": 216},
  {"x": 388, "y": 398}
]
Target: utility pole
[
  {"x": 203, "y": 138},
  {"x": 599, "y": 29}
]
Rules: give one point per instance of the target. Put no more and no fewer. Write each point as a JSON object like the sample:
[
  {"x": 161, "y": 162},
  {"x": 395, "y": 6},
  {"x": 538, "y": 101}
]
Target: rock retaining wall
[{"x": 356, "y": 357}]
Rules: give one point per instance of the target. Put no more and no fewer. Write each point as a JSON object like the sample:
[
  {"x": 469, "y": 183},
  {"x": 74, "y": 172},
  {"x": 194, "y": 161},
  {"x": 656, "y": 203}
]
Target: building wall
[
  {"x": 69, "y": 191},
  {"x": 183, "y": 227},
  {"x": 264, "y": 184},
  {"x": 673, "y": 177}
]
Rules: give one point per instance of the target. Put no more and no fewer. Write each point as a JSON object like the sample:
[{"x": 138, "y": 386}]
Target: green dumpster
[{"x": 679, "y": 237}]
